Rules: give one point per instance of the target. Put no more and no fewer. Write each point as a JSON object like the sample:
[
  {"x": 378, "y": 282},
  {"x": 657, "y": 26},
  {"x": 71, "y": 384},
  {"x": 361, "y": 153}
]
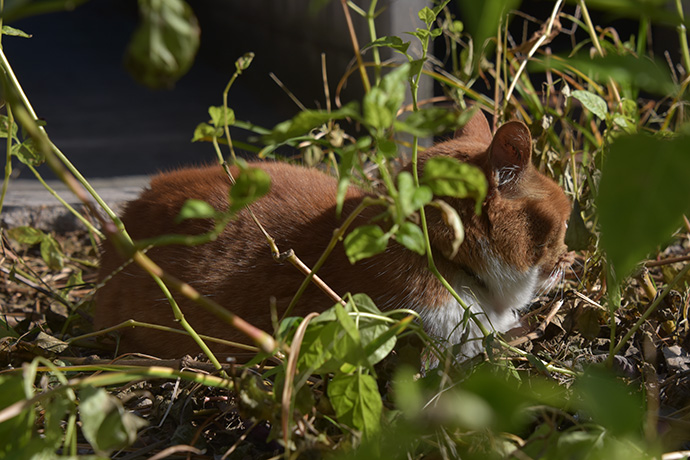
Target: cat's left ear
[{"x": 511, "y": 151}]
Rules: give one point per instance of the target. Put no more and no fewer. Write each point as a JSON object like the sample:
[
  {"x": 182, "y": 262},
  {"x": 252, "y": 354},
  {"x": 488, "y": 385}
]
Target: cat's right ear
[
  {"x": 510, "y": 152},
  {"x": 477, "y": 126}
]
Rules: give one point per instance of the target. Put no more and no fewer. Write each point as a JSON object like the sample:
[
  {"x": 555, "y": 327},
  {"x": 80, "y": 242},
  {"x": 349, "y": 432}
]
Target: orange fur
[{"x": 519, "y": 234}]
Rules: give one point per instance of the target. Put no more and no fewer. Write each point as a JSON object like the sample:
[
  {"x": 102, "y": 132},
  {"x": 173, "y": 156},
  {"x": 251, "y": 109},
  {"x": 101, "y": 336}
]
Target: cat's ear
[
  {"x": 477, "y": 126},
  {"x": 510, "y": 152}
]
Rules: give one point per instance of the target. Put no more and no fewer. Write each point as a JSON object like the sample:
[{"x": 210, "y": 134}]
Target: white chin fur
[{"x": 506, "y": 290}]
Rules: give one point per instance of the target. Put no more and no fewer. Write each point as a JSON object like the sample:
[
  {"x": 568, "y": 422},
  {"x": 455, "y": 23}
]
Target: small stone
[{"x": 677, "y": 358}]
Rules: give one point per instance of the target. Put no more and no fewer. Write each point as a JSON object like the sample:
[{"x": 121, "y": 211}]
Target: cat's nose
[{"x": 566, "y": 259}]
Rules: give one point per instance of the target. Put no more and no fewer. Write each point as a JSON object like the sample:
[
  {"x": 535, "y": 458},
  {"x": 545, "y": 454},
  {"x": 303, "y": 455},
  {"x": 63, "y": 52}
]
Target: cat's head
[{"x": 524, "y": 217}]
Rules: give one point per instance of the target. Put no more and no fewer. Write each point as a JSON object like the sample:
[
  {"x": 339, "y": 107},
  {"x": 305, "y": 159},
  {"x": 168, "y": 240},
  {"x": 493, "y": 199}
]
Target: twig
[
  {"x": 668, "y": 261},
  {"x": 179, "y": 448},
  {"x": 542, "y": 39},
  {"x": 538, "y": 332},
  {"x": 132, "y": 323},
  {"x": 290, "y": 94},
  {"x": 355, "y": 46},
  {"x": 589, "y": 301},
  {"x": 337, "y": 234}
]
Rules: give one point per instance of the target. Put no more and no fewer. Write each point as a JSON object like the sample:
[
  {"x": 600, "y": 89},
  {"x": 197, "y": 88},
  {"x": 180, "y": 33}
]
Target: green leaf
[
  {"x": 627, "y": 70},
  {"x": 430, "y": 122},
  {"x": 250, "y": 185},
  {"x": 51, "y": 253},
  {"x": 336, "y": 341},
  {"x": 11, "y": 31},
  {"x": 482, "y": 20},
  {"x": 448, "y": 176},
  {"x": 655, "y": 10},
  {"x": 643, "y": 195},
  {"x": 75, "y": 279},
  {"x": 393, "y": 42},
  {"x": 55, "y": 409},
  {"x": 408, "y": 391},
  {"x": 346, "y": 322},
  {"x": 374, "y": 344},
  {"x": 365, "y": 241},
  {"x": 15, "y": 432},
  {"x": 388, "y": 148},
  {"x": 577, "y": 236},
  {"x": 163, "y": 46},
  {"x": 377, "y": 114},
  {"x": 381, "y": 104},
  {"x": 363, "y": 302},
  {"x": 105, "y": 423},
  {"x": 610, "y": 402},
  {"x": 412, "y": 198},
  {"x": 593, "y": 102},
  {"x": 26, "y": 235},
  {"x": 5, "y": 126},
  {"x": 27, "y": 153},
  {"x": 195, "y": 209},
  {"x": 347, "y": 160},
  {"x": 206, "y": 132},
  {"x": 307, "y": 120},
  {"x": 357, "y": 402},
  {"x": 427, "y": 15},
  {"x": 15, "y": 10},
  {"x": 316, "y": 353},
  {"x": 421, "y": 34},
  {"x": 7, "y": 331},
  {"x": 416, "y": 66},
  {"x": 218, "y": 118},
  {"x": 412, "y": 237}
]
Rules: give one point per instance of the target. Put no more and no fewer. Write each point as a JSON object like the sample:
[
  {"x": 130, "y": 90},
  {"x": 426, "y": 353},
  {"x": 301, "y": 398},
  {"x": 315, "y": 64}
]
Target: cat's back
[
  {"x": 156, "y": 209},
  {"x": 234, "y": 268}
]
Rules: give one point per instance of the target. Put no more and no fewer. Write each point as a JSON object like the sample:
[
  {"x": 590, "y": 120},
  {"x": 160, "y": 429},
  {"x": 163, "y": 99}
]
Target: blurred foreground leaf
[
  {"x": 165, "y": 43},
  {"x": 627, "y": 70},
  {"x": 643, "y": 194},
  {"x": 105, "y": 423},
  {"x": 482, "y": 19}
]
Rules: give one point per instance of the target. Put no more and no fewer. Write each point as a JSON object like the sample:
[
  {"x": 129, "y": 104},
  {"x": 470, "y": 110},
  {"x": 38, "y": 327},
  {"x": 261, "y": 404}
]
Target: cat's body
[{"x": 509, "y": 251}]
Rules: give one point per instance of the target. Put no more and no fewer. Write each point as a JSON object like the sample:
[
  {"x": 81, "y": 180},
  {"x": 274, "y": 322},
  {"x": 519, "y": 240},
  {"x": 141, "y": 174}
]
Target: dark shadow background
[{"x": 109, "y": 125}]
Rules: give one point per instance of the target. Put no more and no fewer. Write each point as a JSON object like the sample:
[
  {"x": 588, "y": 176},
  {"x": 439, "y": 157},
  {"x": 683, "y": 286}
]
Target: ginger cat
[{"x": 512, "y": 249}]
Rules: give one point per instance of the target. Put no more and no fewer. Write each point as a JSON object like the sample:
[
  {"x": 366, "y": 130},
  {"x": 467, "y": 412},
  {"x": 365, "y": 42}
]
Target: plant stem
[
  {"x": 263, "y": 340},
  {"x": 132, "y": 323},
  {"x": 8, "y": 152},
  {"x": 590, "y": 28},
  {"x": 371, "y": 15},
  {"x": 683, "y": 37},
  {"x": 65, "y": 204},
  {"x": 429, "y": 255},
  {"x": 337, "y": 235},
  {"x": 179, "y": 316}
]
